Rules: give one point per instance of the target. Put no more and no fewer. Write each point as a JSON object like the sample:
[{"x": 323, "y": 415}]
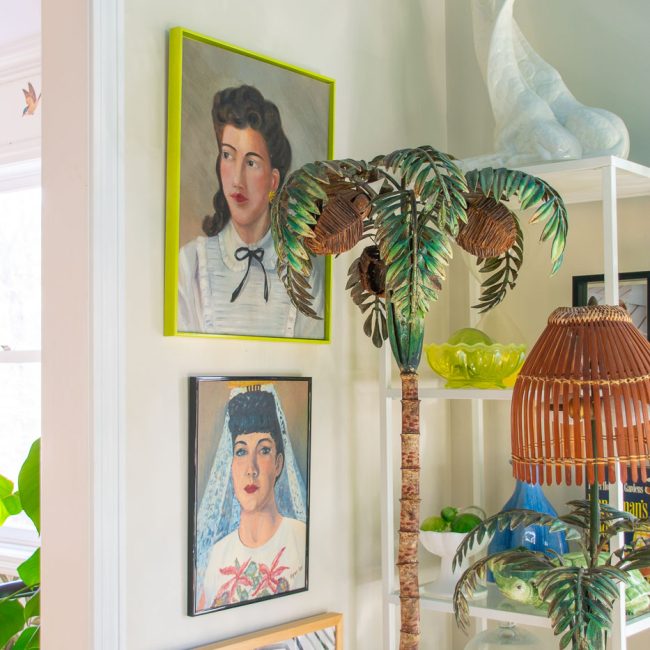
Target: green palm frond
[
  {"x": 638, "y": 558},
  {"x": 295, "y": 212},
  {"x": 374, "y": 326},
  {"x": 504, "y": 270},
  {"x": 613, "y": 521},
  {"x": 293, "y": 216},
  {"x": 414, "y": 222},
  {"x": 580, "y": 601},
  {"x": 607, "y": 512},
  {"x": 611, "y": 530},
  {"x": 415, "y": 258},
  {"x": 415, "y": 215},
  {"x": 512, "y": 519},
  {"x": 475, "y": 575},
  {"x": 436, "y": 182},
  {"x": 503, "y": 184},
  {"x": 465, "y": 588}
]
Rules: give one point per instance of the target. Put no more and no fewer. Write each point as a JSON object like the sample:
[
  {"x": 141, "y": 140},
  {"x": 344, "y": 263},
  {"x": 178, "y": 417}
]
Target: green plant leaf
[
  {"x": 9, "y": 505},
  {"x": 33, "y": 606},
  {"x": 12, "y": 503},
  {"x": 6, "y": 487},
  {"x": 30, "y": 570},
  {"x": 29, "y": 639},
  {"x": 29, "y": 484},
  {"x": 4, "y": 513},
  {"x": 11, "y": 619}
]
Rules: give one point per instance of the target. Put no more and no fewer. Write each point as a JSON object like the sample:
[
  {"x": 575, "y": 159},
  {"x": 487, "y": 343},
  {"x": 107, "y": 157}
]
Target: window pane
[
  {"x": 20, "y": 419},
  {"x": 20, "y": 269}
]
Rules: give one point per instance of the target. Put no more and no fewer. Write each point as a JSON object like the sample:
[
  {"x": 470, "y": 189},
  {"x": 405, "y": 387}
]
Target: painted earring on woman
[{"x": 271, "y": 195}]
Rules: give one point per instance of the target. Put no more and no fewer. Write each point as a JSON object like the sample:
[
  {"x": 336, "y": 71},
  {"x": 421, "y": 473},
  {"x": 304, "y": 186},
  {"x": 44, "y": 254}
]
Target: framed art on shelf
[
  {"x": 323, "y": 631},
  {"x": 633, "y": 292},
  {"x": 238, "y": 124},
  {"x": 249, "y": 467}
]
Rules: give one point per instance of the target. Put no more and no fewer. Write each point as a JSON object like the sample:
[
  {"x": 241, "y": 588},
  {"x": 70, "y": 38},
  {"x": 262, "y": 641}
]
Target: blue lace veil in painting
[{"x": 218, "y": 513}]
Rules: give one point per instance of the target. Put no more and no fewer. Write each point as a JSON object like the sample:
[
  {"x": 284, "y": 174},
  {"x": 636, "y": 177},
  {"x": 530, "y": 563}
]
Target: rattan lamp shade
[{"x": 590, "y": 368}]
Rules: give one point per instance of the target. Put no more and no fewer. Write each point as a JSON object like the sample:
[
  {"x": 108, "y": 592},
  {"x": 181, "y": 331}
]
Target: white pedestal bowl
[{"x": 445, "y": 545}]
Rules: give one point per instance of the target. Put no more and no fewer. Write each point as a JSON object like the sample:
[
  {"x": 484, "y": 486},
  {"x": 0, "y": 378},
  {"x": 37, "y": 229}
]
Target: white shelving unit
[{"x": 604, "y": 179}]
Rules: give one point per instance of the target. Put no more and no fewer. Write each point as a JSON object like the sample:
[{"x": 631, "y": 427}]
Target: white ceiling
[{"x": 18, "y": 20}]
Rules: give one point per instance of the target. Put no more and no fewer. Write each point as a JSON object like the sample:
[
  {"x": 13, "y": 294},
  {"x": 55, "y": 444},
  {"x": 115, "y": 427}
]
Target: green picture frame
[{"x": 205, "y": 259}]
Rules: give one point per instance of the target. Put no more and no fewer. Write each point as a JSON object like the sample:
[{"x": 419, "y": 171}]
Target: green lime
[
  {"x": 449, "y": 513},
  {"x": 465, "y": 522},
  {"x": 435, "y": 524},
  {"x": 469, "y": 336}
]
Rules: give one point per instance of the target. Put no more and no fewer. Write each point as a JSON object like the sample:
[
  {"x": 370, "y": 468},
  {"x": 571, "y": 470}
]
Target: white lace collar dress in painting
[
  {"x": 238, "y": 573},
  {"x": 211, "y": 269}
]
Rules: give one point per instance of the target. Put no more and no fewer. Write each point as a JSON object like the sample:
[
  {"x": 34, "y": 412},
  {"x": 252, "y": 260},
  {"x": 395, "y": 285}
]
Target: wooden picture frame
[
  {"x": 249, "y": 470},
  {"x": 238, "y": 124},
  {"x": 633, "y": 289},
  {"x": 280, "y": 637}
]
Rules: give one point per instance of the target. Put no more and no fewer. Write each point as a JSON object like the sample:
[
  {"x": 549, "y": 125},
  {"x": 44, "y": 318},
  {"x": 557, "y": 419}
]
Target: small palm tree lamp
[{"x": 580, "y": 408}]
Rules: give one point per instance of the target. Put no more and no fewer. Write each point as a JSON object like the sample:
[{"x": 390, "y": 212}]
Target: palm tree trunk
[{"x": 407, "y": 557}]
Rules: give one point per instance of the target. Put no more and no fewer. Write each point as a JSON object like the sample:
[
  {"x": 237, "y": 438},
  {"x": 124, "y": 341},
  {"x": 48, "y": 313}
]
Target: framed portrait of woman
[
  {"x": 238, "y": 124},
  {"x": 248, "y": 489}
]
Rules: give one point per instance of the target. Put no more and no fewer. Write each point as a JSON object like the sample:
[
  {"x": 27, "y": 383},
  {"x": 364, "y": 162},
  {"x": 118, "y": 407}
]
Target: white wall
[{"x": 388, "y": 62}]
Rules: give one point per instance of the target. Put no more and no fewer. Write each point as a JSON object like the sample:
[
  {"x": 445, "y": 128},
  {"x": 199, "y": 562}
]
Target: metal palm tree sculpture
[{"x": 413, "y": 204}]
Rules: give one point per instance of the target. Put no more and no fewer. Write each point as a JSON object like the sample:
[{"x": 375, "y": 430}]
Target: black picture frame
[
  {"x": 634, "y": 291},
  {"x": 279, "y": 565}
]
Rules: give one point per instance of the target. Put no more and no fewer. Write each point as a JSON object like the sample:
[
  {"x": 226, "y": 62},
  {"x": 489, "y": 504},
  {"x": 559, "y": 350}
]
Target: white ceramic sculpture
[{"x": 537, "y": 118}]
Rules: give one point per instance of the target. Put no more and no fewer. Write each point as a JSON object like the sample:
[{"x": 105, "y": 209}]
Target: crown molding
[{"x": 20, "y": 59}]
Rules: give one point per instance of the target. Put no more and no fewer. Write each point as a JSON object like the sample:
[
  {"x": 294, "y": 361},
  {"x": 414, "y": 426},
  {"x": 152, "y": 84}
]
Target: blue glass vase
[{"x": 528, "y": 496}]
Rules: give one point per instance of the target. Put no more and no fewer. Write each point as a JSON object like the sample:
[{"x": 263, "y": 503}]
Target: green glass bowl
[{"x": 478, "y": 365}]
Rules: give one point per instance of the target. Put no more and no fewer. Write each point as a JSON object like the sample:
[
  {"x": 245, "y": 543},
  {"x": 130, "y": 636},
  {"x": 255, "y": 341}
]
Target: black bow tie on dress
[{"x": 256, "y": 254}]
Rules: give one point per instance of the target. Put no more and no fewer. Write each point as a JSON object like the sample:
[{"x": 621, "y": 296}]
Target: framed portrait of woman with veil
[
  {"x": 239, "y": 124},
  {"x": 248, "y": 489}
]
